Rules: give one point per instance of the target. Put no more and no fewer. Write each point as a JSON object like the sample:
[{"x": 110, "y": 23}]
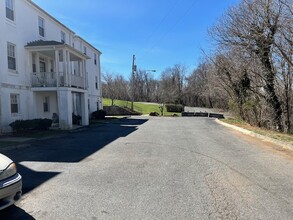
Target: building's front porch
[
  {"x": 67, "y": 107},
  {"x": 55, "y": 64}
]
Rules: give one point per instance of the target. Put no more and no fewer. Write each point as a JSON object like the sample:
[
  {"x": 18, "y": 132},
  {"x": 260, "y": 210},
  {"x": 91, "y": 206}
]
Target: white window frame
[
  {"x": 9, "y": 5},
  {"x": 84, "y": 50},
  {"x": 95, "y": 58},
  {"x": 14, "y": 100},
  {"x": 46, "y": 103},
  {"x": 41, "y": 25},
  {"x": 63, "y": 37},
  {"x": 97, "y": 87},
  {"x": 11, "y": 55}
]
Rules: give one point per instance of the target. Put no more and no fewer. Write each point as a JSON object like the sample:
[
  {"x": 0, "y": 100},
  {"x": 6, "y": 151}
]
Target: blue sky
[{"x": 160, "y": 33}]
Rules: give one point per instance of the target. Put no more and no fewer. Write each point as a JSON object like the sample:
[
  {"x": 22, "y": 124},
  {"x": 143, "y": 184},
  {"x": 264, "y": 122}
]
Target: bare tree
[
  {"x": 172, "y": 83},
  {"x": 108, "y": 87},
  {"x": 253, "y": 26},
  {"x": 115, "y": 87},
  {"x": 198, "y": 90}
]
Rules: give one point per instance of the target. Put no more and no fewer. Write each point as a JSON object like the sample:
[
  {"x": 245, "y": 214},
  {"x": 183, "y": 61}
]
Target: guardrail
[{"x": 202, "y": 114}]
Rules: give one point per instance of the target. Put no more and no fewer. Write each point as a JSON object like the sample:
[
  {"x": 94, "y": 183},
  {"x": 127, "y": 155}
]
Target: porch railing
[
  {"x": 49, "y": 79},
  {"x": 44, "y": 79},
  {"x": 77, "y": 81}
]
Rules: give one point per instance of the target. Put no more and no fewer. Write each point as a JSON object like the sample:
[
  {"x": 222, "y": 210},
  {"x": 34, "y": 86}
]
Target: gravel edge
[{"x": 283, "y": 144}]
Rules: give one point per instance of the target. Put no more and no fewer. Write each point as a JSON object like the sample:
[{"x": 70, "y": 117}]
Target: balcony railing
[
  {"x": 45, "y": 79},
  {"x": 77, "y": 81}
]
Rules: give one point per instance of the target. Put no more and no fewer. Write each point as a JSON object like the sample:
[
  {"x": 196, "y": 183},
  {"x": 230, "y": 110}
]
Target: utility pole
[{"x": 132, "y": 83}]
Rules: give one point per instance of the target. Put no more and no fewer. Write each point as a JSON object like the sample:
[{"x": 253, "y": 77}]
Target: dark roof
[{"x": 43, "y": 43}]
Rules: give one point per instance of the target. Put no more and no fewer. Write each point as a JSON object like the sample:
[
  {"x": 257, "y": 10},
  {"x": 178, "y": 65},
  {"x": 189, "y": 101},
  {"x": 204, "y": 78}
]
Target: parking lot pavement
[{"x": 153, "y": 168}]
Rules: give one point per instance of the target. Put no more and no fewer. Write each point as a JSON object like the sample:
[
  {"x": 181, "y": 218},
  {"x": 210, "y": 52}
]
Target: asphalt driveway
[{"x": 154, "y": 168}]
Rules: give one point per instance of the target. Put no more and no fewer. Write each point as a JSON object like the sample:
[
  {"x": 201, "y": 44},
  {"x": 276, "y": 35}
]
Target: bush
[
  {"x": 76, "y": 119},
  {"x": 19, "y": 126},
  {"x": 154, "y": 114},
  {"x": 99, "y": 114},
  {"x": 42, "y": 124},
  {"x": 174, "y": 108}
]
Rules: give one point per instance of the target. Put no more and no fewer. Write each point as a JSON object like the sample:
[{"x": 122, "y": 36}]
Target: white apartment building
[{"x": 45, "y": 68}]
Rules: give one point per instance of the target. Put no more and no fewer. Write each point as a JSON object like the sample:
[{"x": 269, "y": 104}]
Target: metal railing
[
  {"x": 44, "y": 79},
  {"x": 51, "y": 79}
]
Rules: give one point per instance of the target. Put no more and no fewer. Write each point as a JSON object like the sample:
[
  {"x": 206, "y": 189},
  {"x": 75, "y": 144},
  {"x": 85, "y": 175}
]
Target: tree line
[
  {"x": 169, "y": 88},
  {"x": 249, "y": 72}
]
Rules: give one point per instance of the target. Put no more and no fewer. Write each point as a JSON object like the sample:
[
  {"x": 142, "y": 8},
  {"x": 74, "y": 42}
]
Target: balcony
[
  {"x": 53, "y": 79},
  {"x": 56, "y": 64}
]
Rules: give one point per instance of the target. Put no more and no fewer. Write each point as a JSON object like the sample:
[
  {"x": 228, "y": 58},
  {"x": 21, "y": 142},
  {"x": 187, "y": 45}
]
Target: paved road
[{"x": 154, "y": 168}]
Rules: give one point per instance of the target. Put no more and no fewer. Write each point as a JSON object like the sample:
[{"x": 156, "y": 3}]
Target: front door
[{"x": 42, "y": 67}]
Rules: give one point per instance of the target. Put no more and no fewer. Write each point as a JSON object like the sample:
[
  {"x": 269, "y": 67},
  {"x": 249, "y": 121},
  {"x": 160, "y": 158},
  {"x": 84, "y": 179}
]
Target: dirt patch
[{"x": 272, "y": 147}]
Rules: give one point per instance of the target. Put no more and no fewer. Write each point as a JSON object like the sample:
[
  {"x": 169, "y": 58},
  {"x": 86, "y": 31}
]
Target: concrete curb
[{"x": 283, "y": 144}]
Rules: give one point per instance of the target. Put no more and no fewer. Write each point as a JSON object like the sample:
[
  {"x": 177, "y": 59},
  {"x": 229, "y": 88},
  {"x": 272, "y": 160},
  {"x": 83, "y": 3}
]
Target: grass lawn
[
  {"x": 138, "y": 107},
  {"x": 272, "y": 134}
]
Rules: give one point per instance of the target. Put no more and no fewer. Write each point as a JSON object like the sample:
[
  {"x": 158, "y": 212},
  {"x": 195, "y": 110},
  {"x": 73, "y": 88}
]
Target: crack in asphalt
[{"x": 238, "y": 172}]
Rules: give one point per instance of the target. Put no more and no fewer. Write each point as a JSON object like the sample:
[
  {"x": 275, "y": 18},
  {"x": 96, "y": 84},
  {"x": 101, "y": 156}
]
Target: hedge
[
  {"x": 29, "y": 125},
  {"x": 100, "y": 114},
  {"x": 154, "y": 114},
  {"x": 174, "y": 108}
]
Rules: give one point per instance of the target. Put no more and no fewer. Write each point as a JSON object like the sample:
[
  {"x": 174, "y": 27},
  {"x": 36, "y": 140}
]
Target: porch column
[
  {"x": 80, "y": 68},
  {"x": 84, "y": 73},
  {"x": 65, "y": 108},
  {"x": 65, "y": 68},
  {"x": 37, "y": 62},
  {"x": 69, "y": 69},
  {"x": 57, "y": 67},
  {"x": 84, "y": 109}
]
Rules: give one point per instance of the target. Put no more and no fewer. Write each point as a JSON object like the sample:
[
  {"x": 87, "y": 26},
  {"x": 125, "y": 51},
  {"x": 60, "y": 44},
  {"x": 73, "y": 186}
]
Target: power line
[
  {"x": 155, "y": 30},
  {"x": 171, "y": 28}
]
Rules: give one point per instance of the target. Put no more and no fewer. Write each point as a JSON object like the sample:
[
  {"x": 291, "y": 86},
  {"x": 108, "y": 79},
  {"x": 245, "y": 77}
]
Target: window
[
  {"x": 52, "y": 67},
  {"x": 41, "y": 27},
  {"x": 63, "y": 37},
  {"x": 34, "y": 67},
  {"x": 46, "y": 102},
  {"x": 42, "y": 65},
  {"x": 95, "y": 59},
  {"x": 11, "y": 56},
  {"x": 14, "y": 102},
  {"x": 9, "y": 10},
  {"x": 96, "y": 82},
  {"x": 84, "y": 50}
]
